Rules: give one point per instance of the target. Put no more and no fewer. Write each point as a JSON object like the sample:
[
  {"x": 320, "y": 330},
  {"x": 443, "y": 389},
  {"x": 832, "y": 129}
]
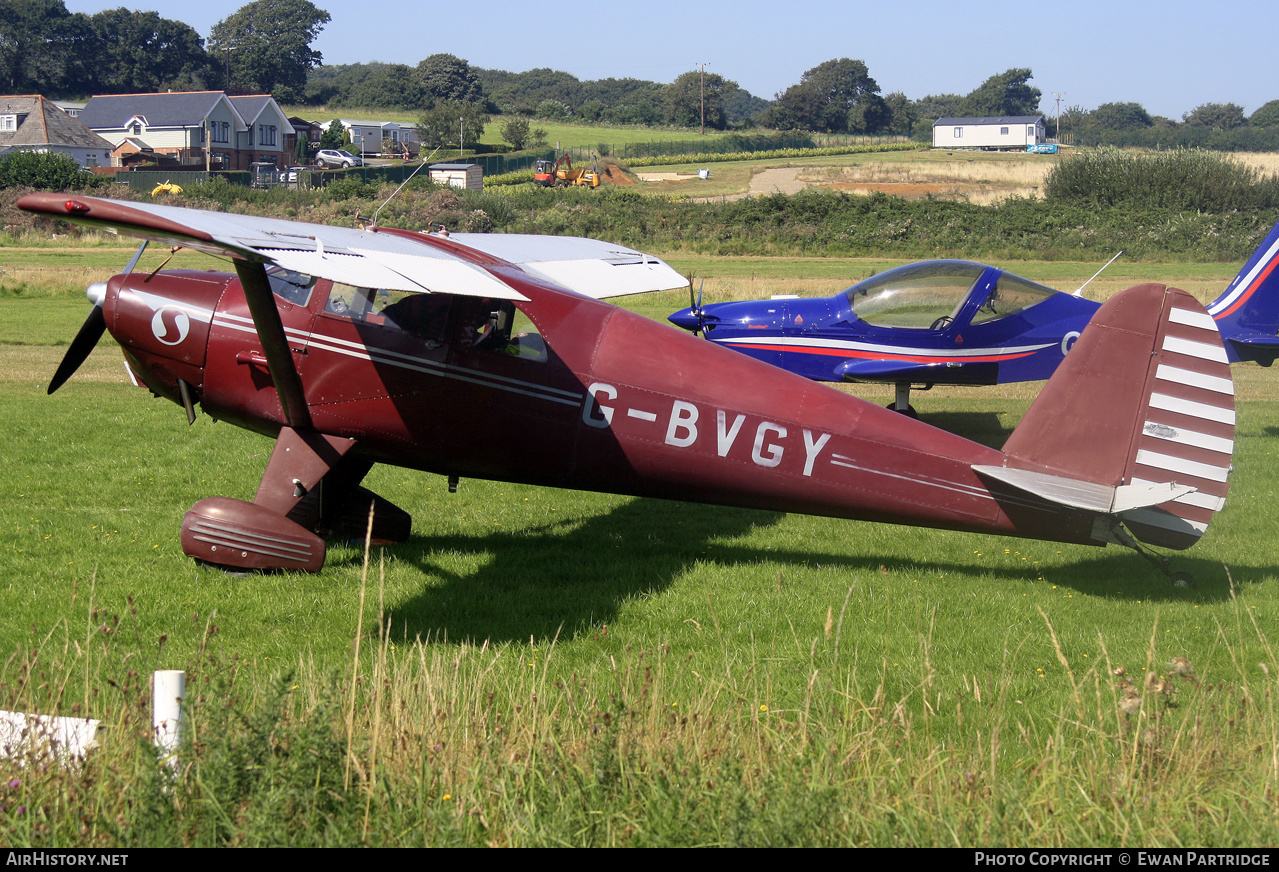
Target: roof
[
  {"x": 452, "y": 166},
  {"x": 989, "y": 120},
  {"x": 252, "y": 107},
  {"x": 45, "y": 124},
  {"x": 174, "y": 109}
]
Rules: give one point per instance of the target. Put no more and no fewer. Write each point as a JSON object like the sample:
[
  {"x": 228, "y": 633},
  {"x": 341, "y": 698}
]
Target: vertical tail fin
[
  {"x": 1247, "y": 314},
  {"x": 1141, "y": 410}
]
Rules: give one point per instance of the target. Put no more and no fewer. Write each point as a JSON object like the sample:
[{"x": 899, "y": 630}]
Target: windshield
[{"x": 918, "y": 296}]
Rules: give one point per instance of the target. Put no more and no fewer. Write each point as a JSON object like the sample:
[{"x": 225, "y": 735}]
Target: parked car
[
  {"x": 336, "y": 158},
  {"x": 290, "y": 175}
]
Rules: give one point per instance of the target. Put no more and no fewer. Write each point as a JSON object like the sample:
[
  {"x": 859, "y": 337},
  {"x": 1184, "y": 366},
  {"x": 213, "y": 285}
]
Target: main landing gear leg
[
  {"x": 1160, "y": 562},
  {"x": 902, "y": 401},
  {"x": 310, "y": 484}
]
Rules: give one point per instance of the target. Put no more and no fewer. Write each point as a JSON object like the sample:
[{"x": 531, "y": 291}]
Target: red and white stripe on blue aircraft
[{"x": 953, "y": 322}]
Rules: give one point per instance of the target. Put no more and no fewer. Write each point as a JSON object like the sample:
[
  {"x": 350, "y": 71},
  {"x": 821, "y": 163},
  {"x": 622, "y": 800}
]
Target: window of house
[
  {"x": 8, "y": 122},
  {"x": 220, "y": 131},
  {"x": 266, "y": 134},
  {"x": 135, "y": 128},
  {"x": 1003, "y": 131},
  {"x": 959, "y": 133}
]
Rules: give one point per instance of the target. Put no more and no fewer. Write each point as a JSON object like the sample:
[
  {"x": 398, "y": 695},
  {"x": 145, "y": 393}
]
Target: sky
[{"x": 1169, "y": 56}]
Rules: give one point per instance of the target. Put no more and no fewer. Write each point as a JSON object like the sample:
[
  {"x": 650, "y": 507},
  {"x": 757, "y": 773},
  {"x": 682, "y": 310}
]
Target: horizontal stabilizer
[{"x": 1086, "y": 495}]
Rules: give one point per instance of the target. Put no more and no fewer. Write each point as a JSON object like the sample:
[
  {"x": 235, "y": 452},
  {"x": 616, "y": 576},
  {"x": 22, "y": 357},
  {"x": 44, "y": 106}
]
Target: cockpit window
[
  {"x": 289, "y": 285},
  {"x": 1012, "y": 294},
  {"x": 442, "y": 319},
  {"x": 920, "y": 296}
]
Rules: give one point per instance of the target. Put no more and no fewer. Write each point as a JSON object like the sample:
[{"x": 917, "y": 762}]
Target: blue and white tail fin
[{"x": 1247, "y": 314}]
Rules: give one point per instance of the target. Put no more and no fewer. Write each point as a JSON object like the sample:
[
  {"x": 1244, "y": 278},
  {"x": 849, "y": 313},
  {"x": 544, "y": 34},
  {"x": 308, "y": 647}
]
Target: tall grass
[
  {"x": 420, "y": 744},
  {"x": 1190, "y": 180}
]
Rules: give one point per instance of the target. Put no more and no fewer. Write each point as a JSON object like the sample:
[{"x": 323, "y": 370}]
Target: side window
[{"x": 294, "y": 287}]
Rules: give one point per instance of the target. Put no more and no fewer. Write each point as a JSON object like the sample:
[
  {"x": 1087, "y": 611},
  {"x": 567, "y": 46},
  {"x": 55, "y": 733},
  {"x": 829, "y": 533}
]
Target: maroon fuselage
[{"x": 613, "y": 402}]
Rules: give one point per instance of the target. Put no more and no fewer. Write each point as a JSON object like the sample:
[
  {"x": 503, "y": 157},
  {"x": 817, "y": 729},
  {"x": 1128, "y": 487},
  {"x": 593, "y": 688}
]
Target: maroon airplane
[{"x": 493, "y": 357}]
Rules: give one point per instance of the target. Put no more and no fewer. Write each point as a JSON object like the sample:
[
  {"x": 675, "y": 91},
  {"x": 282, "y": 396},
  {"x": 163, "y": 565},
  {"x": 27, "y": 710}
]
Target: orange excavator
[{"x": 560, "y": 174}]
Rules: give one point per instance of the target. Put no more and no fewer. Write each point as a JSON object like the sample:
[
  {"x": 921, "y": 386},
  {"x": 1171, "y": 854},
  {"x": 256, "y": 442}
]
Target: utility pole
[
  {"x": 703, "y": 68},
  {"x": 1059, "y": 95},
  {"x": 461, "y": 138}
]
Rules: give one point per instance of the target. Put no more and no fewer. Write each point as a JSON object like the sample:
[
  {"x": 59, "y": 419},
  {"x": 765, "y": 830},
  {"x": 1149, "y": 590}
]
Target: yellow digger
[{"x": 560, "y": 174}]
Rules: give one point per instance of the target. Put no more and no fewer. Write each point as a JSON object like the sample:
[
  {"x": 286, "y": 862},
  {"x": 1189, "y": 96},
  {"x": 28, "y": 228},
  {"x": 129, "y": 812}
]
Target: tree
[
  {"x": 333, "y": 136},
  {"x": 552, "y": 109},
  {"x": 32, "y": 49},
  {"x": 934, "y": 106},
  {"x": 265, "y": 47},
  {"x": 902, "y": 114},
  {"x": 1004, "y": 94},
  {"x": 516, "y": 132},
  {"x": 444, "y": 120},
  {"x": 1267, "y": 115},
  {"x": 823, "y": 98},
  {"x": 139, "y": 52},
  {"x": 1120, "y": 116},
  {"x": 387, "y": 86},
  {"x": 1218, "y": 116},
  {"x": 683, "y": 100},
  {"x": 446, "y": 77}
]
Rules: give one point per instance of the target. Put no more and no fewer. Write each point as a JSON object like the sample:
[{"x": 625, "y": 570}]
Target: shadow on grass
[
  {"x": 983, "y": 428},
  {"x": 575, "y": 575}
]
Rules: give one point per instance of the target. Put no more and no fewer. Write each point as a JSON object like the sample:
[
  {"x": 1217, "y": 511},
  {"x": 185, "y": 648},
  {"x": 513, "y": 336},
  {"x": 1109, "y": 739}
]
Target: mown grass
[{"x": 541, "y": 667}]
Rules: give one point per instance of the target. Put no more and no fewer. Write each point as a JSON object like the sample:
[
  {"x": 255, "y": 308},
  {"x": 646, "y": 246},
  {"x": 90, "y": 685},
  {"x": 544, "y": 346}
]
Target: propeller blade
[
  {"x": 85, "y": 341},
  {"x": 91, "y": 330}
]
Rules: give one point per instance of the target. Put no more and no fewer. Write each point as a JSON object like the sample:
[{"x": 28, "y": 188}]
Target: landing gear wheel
[
  {"x": 909, "y": 411},
  {"x": 1182, "y": 580}
]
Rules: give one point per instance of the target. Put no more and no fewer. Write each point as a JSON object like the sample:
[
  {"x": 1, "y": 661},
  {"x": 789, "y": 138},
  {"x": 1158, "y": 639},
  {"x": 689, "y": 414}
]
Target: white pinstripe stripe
[
  {"x": 1201, "y": 350},
  {"x": 1192, "y": 318},
  {"x": 1189, "y": 437},
  {"x": 1181, "y": 465},
  {"x": 1181, "y": 376},
  {"x": 1193, "y": 409}
]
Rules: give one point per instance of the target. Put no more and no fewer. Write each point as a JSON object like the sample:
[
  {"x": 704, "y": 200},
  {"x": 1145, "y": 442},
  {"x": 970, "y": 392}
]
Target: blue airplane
[{"x": 955, "y": 322}]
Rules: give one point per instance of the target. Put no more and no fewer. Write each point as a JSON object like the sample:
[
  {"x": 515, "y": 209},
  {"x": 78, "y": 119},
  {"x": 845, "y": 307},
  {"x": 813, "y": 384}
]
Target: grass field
[{"x": 541, "y": 667}]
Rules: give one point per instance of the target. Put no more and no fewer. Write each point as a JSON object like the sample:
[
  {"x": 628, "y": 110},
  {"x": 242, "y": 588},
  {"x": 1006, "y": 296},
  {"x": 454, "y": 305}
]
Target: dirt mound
[{"x": 615, "y": 175}]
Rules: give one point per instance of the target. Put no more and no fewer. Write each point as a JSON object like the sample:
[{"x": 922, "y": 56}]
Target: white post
[{"x": 169, "y": 689}]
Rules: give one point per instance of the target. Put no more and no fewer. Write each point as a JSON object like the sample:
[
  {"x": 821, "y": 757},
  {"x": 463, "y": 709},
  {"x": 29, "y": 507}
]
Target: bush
[
  {"x": 1190, "y": 180},
  {"x": 45, "y": 172}
]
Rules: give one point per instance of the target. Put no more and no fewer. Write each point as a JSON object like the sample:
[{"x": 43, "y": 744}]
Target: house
[
  {"x": 32, "y": 123},
  {"x": 197, "y": 129},
  {"x": 468, "y": 176},
  {"x": 1000, "y": 132},
  {"x": 310, "y": 132},
  {"x": 366, "y": 136}
]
